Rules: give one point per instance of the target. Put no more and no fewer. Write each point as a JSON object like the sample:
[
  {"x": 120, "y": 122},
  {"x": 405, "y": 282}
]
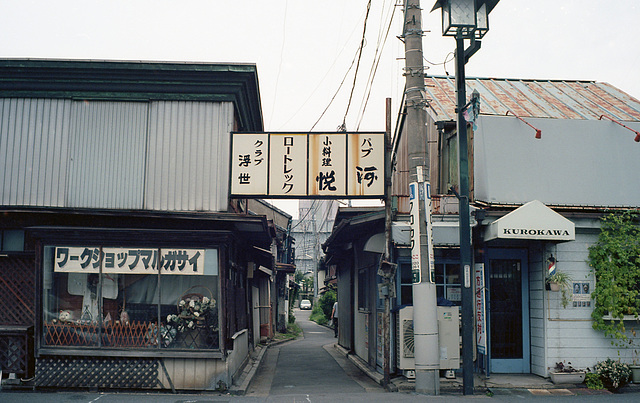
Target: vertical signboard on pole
[
  {"x": 414, "y": 223},
  {"x": 481, "y": 330},
  {"x": 427, "y": 218}
]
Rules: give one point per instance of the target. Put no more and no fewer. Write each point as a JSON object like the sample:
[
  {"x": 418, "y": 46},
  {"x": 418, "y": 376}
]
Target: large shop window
[{"x": 130, "y": 298}]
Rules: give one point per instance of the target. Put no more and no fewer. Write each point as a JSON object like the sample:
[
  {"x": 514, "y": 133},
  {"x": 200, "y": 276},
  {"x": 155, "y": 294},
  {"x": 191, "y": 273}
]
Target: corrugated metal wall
[
  {"x": 170, "y": 156},
  {"x": 34, "y": 138},
  {"x": 106, "y": 168},
  {"x": 188, "y": 157}
]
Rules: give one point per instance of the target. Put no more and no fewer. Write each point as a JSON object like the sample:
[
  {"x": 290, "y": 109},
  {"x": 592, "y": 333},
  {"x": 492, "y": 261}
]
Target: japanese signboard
[
  {"x": 414, "y": 222},
  {"x": 299, "y": 165},
  {"x": 249, "y": 166},
  {"x": 288, "y": 165},
  {"x": 129, "y": 260},
  {"x": 481, "y": 330}
]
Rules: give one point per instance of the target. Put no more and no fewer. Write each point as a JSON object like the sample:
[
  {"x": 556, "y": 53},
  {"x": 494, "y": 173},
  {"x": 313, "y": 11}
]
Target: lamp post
[{"x": 465, "y": 19}]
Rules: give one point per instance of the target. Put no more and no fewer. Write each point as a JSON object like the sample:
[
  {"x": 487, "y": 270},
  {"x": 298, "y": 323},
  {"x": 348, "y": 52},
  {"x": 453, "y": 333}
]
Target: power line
[
  {"x": 374, "y": 67},
  {"x": 355, "y": 76},
  {"x": 284, "y": 36}
]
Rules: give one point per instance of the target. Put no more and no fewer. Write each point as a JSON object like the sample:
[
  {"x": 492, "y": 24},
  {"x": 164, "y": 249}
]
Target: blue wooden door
[{"x": 508, "y": 286}]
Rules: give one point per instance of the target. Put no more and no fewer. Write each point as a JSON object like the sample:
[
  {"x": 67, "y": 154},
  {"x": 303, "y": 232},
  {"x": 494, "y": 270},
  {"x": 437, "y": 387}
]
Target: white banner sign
[
  {"x": 129, "y": 260},
  {"x": 481, "y": 329},
  {"x": 308, "y": 165}
]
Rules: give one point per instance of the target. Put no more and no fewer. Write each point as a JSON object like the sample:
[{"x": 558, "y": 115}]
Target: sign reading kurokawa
[
  {"x": 535, "y": 232},
  {"x": 297, "y": 165},
  {"x": 532, "y": 221}
]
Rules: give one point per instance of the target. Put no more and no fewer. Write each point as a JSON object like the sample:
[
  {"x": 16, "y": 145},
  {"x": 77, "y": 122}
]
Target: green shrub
[
  {"x": 593, "y": 381},
  {"x": 317, "y": 315},
  {"x": 326, "y": 302},
  {"x": 614, "y": 374}
]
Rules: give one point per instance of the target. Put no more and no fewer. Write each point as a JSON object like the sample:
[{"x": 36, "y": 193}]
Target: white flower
[
  {"x": 191, "y": 325},
  {"x": 205, "y": 300},
  {"x": 196, "y": 314},
  {"x": 182, "y": 302},
  {"x": 192, "y": 304}
]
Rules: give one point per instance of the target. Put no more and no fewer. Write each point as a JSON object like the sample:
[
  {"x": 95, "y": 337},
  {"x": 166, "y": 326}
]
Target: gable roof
[{"x": 557, "y": 99}]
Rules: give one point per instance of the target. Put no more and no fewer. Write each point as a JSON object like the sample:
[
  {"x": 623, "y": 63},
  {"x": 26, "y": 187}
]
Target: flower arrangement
[
  {"x": 614, "y": 374},
  {"x": 192, "y": 312}
]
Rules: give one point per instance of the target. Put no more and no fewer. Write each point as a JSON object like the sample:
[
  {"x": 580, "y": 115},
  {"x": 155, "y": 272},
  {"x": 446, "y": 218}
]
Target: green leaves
[{"x": 615, "y": 262}]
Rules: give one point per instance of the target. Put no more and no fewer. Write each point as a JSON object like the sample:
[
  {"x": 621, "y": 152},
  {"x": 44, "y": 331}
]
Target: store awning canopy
[{"x": 532, "y": 221}]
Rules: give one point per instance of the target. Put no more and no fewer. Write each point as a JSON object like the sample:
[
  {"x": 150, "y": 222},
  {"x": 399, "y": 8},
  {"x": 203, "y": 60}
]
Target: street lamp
[{"x": 465, "y": 19}]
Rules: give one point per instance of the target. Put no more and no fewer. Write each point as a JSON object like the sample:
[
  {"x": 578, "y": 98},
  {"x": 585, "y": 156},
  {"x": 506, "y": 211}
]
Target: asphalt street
[{"x": 309, "y": 366}]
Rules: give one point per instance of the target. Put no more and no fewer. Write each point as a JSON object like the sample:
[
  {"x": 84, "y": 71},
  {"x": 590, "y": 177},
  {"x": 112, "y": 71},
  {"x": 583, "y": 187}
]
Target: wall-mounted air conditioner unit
[{"x": 448, "y": 337}]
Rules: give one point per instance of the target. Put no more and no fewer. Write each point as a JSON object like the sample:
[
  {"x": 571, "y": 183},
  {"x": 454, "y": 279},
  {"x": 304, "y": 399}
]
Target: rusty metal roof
[{"x": 556, "y": 99}]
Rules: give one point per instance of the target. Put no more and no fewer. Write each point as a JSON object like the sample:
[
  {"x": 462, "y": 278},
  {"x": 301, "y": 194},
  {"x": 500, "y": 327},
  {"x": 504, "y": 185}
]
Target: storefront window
[
  {"x": 448, "y": 283},
  {"x": 130, "y": 298}
]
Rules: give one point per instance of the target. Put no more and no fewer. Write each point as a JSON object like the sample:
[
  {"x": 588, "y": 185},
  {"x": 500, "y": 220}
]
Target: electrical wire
[
  {"x": 355, "y": 76},
  {"x": 335, "y": 60},
  {"x": 284, "y": 36},
  {"x": 374, "y": 67},
  {"x": 336, "y": 93}
]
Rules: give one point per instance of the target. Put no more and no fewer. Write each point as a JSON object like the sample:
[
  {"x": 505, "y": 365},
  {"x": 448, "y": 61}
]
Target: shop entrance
[{"x": 508, "y": 311}]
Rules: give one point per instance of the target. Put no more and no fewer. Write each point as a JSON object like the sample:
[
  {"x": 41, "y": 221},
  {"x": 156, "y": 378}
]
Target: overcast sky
[{"x": 303, "y": 49}]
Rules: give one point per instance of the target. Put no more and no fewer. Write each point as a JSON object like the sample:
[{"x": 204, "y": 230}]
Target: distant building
[{"x": 311, "y": 230}]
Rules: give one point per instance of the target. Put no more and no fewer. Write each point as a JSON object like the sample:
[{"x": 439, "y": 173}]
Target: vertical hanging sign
[
  {"x": 366, "y": 164},
  {"x": 481, "y": 330},
  {"x": 327, "y": 164},
  {"x": 249, "y": 162},
  {"x": 288, "y": 168}
]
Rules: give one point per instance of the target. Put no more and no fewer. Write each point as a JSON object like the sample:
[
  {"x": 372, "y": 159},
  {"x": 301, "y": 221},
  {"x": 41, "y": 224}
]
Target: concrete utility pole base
[{"x": 428, "y": 381}]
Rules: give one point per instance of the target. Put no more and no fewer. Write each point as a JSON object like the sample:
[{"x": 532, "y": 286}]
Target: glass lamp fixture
[{"x": 469, "y": 18}]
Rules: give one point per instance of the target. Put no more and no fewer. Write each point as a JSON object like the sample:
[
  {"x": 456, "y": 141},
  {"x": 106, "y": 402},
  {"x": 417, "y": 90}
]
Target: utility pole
[{"x": 425, "y": 324}]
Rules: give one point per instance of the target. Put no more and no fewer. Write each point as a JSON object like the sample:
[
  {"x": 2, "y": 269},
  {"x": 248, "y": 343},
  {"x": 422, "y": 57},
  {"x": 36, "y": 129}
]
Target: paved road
[{"x": 308, "y": 366}]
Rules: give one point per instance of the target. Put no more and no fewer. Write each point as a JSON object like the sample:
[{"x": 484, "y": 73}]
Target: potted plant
[
  {"x": 614, "y": 374},
  {"x": 635, "y": 367},
  {"x": 566, "y": 373},
  {"x": 561, "y": 281}
]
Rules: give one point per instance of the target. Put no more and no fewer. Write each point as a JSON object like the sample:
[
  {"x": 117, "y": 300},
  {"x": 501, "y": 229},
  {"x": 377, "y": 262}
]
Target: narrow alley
[{"x": 309, "y": 366}]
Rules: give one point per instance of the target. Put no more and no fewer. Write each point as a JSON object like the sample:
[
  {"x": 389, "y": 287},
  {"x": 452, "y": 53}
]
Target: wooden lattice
[
  {"x": 17, "y": 290},
  {"x": 16, "y": 351},
  {"x": 96, "y": 372},
  {"x": 134, "y": 334}
]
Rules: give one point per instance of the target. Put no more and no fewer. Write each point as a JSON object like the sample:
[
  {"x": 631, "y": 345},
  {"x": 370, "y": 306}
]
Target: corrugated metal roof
[{"x": 556, "y": 99}]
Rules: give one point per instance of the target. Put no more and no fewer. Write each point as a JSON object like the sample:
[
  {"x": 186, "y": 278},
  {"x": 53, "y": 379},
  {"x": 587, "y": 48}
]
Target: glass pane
[
  {"x": 407, "y": 295},
  {"x": 405, "y": 273},
  {"x": 463, "y": 12},
  {"x": 505, "y": 293},
  {"x": 453, "y": 274},
  {"x": 189, "y": 312},
  {"x": 439, "y": 273}
]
